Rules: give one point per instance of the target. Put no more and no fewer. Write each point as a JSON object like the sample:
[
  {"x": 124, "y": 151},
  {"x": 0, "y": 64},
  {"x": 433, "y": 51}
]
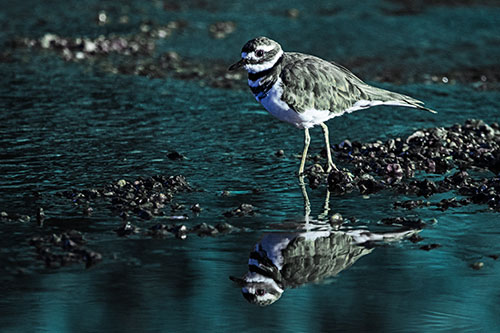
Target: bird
[
  {"x": 306, "y": 91},
  {"x": 282, "y": 260}
]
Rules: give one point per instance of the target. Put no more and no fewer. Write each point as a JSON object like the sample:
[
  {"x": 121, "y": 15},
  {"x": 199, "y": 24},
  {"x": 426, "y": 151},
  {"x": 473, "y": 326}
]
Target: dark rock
[
  {"x": 477, "y": 265},
  {"x": 127, "y": 229},
  {"x": 340, "y": 182},
  {"x": 204, "y": 229},
  {"x": 280, "y": 153},
  {"x": 315, "y": 175},
  {"x": 415, "y": 238},
  {"x": 405, "y": 222},
  {"x": 196, "y": 208},
  {"x": 225, "y": 228},
  {"x": 367, "y": 184},
  {"x": 175, "y": 156},
  {"x": 242, "y": 210},
  {"x": 429, "y": 247}
]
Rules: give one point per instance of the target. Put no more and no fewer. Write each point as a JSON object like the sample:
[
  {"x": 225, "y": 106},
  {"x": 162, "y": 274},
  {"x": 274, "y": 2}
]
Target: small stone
[
  {"x": 224, "y": 227},
  {"x": 180, "y": 231},
  {"x": 102, "y": 18},
  {"x": 429, "y": 247},
  {"x": 24, "y": 218},
  {"x": 243, "y": 210},
  {"x": 336, "y": 220},
  {"x": 293, "y": 13},
  {"x": 121, "y": 182},
  {"x": 477, "y": 265},
  {"x": 40, "y": 216},
  {"x": 127, "y": 229},
  {"x": 196, "y": 208},
  {"x": 280, "y": 153},
  {"x": 47, "y": 40},
  {"x": 221, "y": 29},
  {"x": 204, "y": 229},
  {"x": 175, "y": 156}
]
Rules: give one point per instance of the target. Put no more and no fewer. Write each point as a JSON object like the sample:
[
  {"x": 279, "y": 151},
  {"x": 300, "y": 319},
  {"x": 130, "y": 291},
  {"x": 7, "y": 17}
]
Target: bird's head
[
  {"x": 258, "y": 289},
  {"x": 258, "y": 54}
]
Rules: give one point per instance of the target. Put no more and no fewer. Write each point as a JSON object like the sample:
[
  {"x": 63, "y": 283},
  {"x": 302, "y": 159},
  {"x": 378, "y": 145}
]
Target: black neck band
[{"x": 256, "y": 76}]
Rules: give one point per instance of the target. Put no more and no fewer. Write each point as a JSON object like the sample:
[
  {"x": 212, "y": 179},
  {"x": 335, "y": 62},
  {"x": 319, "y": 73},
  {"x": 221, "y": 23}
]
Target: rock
[
  {"x": 293, "y": 13},
  {"x": 412, "y": 223},
  {"x": 279, "y": 153},
  {"x": 225, "y": 228},
  {"x": 127, "y": 229},
  {"x": 40, "y": 216},
  {"x": 429, "y": 247},
  {"x": 196, "y": 208},
  {"x": 175, "y": 156},
  {"x": 477, "y": 265},
  {"x": 204, "y": 230},
  {"x": 242, "y": 210},
  {"x": 336, "y": 220},
  {"x": 219, "y": 30}
]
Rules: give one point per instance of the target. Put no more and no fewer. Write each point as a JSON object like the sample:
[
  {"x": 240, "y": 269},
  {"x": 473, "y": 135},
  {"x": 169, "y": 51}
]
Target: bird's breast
[{"x": 272, "y": 102}]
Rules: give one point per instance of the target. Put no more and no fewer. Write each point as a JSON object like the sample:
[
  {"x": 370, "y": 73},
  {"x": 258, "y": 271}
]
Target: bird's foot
[{"x": 331, "y": 167}]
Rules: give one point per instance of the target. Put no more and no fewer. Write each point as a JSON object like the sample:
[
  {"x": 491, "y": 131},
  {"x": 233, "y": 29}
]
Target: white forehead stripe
[{"x": 266, "y": 48}]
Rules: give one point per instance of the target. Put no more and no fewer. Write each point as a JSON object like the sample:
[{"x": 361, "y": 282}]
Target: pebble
[
  {"x": 477, "y": 265},
  {"x": 242, "y": 210}
]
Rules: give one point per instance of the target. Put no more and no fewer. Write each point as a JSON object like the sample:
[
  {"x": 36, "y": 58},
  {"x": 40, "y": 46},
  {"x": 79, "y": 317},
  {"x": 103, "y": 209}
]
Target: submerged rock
[{"x": 242, "y": 210}]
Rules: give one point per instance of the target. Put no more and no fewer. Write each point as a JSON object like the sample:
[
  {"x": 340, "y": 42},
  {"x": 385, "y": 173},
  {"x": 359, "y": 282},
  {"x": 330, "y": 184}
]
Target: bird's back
[{"x": 311, "y": 83}]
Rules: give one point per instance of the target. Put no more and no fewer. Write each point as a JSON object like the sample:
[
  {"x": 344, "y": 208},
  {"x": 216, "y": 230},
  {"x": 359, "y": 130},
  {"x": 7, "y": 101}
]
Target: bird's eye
[
  {"x": 260, "y": 292},
  {"x": 259, "y": 53}
]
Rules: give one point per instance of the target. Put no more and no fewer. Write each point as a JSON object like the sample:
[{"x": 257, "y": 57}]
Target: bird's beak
[
  {"x": 237, "y": 65},
  {"x": 239, "y": 281}
]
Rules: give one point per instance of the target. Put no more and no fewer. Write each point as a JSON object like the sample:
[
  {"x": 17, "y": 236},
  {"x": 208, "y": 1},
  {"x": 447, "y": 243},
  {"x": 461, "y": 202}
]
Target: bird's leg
[
  {"x": 326, "y": 207},
  {"x": 307, "y": 140},
  {"x": 307, "y": 203},
  {"x": 328, "y": 152}
]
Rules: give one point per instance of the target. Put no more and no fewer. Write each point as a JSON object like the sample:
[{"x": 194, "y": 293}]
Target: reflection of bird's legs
[
  {"x": 326, "y": 207},
  {"x": 307, "y": 204},
  {"x": 330, "y": 166},
  {"x": 307, "y": 140}
]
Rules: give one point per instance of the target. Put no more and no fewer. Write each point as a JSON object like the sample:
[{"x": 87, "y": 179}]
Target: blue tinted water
[{"x": 69, "y": 125}]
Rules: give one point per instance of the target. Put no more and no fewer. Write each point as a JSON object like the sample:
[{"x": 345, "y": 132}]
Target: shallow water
[{"x": 70, "y": 125}]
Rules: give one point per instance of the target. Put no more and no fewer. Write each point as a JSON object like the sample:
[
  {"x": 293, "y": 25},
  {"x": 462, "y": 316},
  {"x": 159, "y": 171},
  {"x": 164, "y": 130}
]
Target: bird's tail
[{"x": 380, "y": 96}]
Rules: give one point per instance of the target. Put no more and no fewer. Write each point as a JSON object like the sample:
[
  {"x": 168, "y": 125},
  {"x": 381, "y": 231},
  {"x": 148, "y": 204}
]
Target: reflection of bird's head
[{"x": 258, "y": 289}]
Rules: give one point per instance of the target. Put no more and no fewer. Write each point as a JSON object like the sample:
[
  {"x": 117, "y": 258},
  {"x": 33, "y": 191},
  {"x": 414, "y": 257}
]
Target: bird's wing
[{"x": 313, "y": 83}]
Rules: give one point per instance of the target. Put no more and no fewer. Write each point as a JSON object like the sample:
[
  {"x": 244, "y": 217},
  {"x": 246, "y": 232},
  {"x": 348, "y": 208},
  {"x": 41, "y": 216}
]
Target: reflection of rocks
[
  {"x": 64, "y": 249},
  {"x": 289, "y": 260}
]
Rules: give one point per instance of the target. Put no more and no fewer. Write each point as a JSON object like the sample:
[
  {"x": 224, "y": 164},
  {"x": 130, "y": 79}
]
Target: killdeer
[
  {"x": 289, "y": 260},
  {"x": 305, "y": 90}
]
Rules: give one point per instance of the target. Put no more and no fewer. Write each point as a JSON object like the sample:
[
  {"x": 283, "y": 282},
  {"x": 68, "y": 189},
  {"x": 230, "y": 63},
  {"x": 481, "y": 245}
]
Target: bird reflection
[{"x": 309, "y": 253}]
